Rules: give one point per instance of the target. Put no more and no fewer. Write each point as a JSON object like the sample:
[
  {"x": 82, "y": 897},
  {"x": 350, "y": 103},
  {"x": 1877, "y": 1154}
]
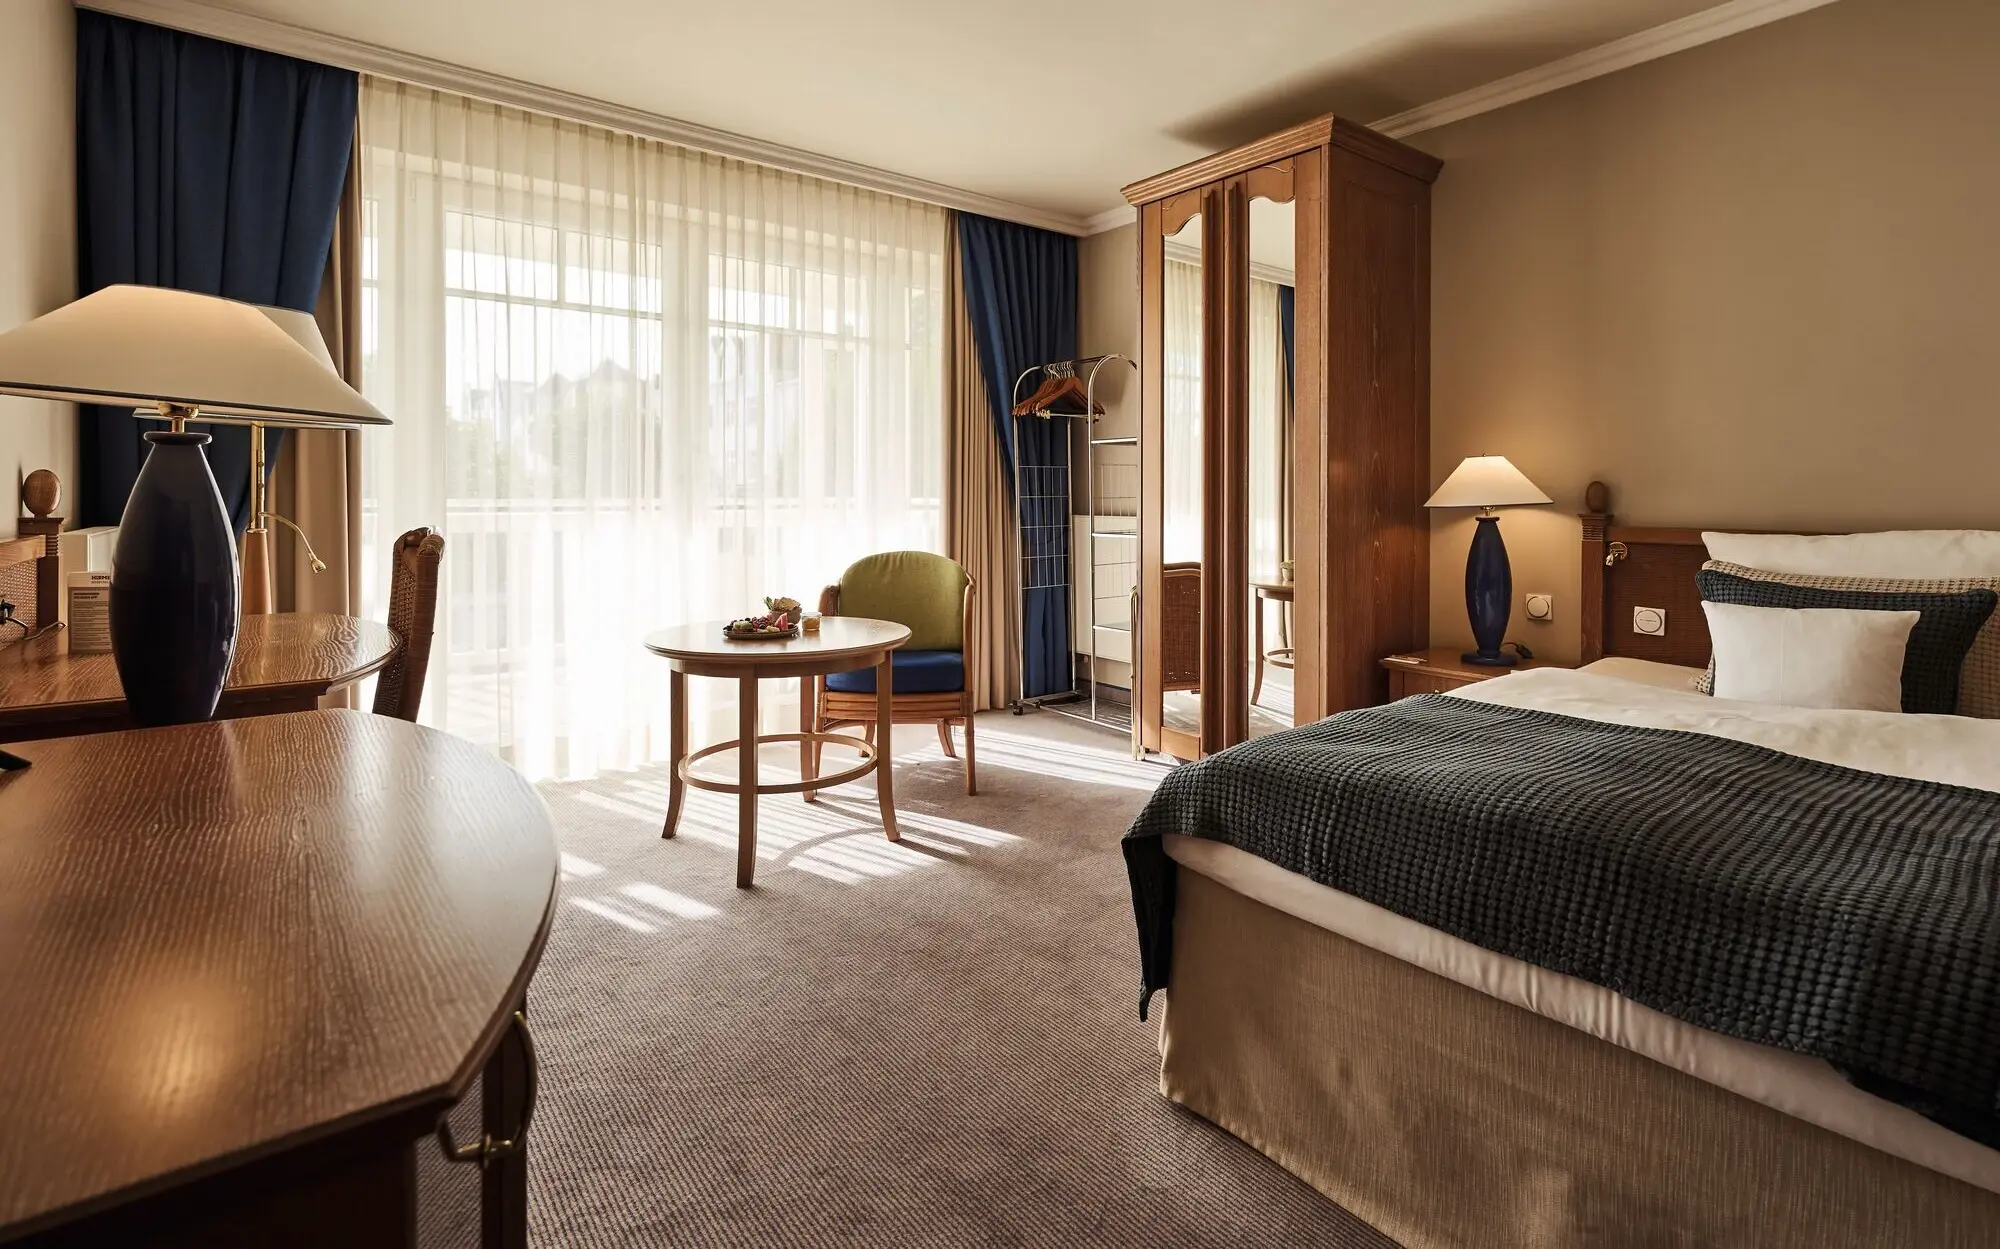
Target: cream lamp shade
[
  {"x": 303, "y": 330},
  {"x": 147, "y": 345},
  {"x": 1486, "y": 481}
]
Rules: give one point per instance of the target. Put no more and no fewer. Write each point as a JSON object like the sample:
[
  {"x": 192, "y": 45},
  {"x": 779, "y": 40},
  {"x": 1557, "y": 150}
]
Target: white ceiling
[{"x": 1050, "y": 103}]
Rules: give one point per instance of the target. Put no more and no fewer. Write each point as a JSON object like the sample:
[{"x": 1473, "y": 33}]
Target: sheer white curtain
[
  {"x": 634, "y": 386},
  {"x": 1266, "y": 431},
  {"x": 1181, "y": 412}
]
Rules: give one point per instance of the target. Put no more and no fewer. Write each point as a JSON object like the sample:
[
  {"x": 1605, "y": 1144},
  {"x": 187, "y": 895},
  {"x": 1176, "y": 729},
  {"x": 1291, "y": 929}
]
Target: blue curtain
[
  {"x": 1020, "y": 294},
  {"x": 1287, "y": 306},
  {"x": 206, "y": 167}
]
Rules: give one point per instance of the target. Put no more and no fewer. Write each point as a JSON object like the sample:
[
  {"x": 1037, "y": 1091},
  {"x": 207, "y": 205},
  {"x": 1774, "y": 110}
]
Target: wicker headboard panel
[{"x": 1627, "y": 566}]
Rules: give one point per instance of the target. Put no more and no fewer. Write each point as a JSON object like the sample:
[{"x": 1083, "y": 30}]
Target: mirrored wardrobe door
[
  {"x": 1182, "y": 361},
  {"x": 1269, "y": 320}
]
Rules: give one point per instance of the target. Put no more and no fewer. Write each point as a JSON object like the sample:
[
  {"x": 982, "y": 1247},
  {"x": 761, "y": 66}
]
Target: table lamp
[
  {"x": 1487, "y": 482},
  {"x": 175, "y": 590}
]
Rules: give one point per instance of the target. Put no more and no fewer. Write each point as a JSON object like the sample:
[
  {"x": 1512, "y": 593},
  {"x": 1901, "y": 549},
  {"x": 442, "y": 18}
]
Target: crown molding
[
  {"x": 1707, "y": 26},
  {"x": 1110, "y": 219},
  {"x": 197, "y": 18}
]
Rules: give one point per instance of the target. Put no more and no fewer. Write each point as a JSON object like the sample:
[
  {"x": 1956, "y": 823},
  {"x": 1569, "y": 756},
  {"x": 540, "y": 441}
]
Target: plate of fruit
[{"x": 780, "y": 622}]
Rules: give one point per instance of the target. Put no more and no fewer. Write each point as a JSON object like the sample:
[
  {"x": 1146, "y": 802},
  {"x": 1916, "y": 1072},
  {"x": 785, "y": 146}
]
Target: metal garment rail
[{"x": 1044, "y": 506}]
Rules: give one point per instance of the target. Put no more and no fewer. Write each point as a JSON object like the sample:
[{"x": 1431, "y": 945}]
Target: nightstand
[{"x": 1440, "y": 669}]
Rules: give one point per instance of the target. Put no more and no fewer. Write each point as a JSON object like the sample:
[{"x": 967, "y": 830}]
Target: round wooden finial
[
  {"x": 41, "y": 491},
  {"x": 1597, "y": 497}
]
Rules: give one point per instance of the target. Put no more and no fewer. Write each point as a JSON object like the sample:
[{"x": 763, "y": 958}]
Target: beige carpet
[{"x": 931, "y": 1044}]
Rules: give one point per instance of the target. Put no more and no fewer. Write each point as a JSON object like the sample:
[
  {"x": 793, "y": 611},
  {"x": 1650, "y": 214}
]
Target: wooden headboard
[{"x": 1627, "y": 566}]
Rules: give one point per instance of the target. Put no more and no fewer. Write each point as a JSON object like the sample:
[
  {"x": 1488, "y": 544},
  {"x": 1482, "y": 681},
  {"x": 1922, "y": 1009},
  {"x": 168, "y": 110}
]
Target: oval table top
[
  {"x": 840, "y": 640},
  {"x": 279, "y": 651},
  {"x": 228, "y": 938}
]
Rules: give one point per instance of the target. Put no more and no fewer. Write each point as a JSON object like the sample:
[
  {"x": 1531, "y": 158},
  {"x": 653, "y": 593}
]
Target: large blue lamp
[
  {"x": 178, "y": 357},
  {"x": 1487, "y": 482}
]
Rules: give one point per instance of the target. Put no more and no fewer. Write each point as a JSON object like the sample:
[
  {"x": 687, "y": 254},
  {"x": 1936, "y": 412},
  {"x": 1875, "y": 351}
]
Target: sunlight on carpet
[{"x": 930, "y": 1043}]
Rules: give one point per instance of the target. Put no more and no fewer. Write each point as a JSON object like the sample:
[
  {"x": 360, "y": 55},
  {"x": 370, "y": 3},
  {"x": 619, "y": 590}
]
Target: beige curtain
[
  {"x": 978, "y": 525},
  {"x": 317, "y": 479}
]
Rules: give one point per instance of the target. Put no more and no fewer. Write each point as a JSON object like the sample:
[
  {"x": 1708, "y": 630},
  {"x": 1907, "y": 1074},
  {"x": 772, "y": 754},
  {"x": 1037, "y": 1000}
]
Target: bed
[{"x": 1453, "y": 1095}]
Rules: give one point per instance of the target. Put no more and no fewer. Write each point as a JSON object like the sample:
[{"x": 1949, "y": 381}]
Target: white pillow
[
  {"x": 1810, "y": 657},
  {"x": 1898, "y": 554}
]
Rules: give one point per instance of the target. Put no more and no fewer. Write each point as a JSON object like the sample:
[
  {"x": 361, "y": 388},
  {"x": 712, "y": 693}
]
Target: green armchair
[{"x": 932, "y": 596}]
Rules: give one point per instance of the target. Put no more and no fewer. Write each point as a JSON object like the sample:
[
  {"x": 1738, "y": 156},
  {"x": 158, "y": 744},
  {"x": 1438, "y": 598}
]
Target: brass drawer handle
[
  {"x": 488, "y": 1149},
  {"x": 1617, "y": 551}
]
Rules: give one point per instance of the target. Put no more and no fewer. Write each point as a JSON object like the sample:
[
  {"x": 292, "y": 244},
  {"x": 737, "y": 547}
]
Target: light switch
[
  {"x": 1651, "y": 621},
  {"x": 1541, "y": 607}
]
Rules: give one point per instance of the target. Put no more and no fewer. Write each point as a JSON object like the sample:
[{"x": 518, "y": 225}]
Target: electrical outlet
[
  {"x": 1651, "y": 621},
  {"x": 1541, "y": 607}
]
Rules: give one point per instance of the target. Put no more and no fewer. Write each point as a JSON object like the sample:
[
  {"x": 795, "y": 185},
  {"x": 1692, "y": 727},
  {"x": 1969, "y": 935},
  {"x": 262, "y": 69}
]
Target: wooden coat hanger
[{"x": 1057, "y": 389}]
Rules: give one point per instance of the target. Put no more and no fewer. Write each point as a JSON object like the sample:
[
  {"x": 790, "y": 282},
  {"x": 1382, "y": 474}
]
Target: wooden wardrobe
[{"x": 1304, "y": 440}]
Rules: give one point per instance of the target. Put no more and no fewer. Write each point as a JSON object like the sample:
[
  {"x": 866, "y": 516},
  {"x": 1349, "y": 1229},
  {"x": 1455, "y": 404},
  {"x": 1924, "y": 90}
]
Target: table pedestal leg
[
  {"x": 677, "y": 747},
  {"x": 746, "y": 780},
  {"x": 1257, "y": 646},
  {"x": 885, "y": 793}
]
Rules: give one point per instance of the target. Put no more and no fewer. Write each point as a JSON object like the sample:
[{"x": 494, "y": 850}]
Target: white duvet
[
  {"x": 1952, "y": 749},
  {"x": 1949, "y": 749}
]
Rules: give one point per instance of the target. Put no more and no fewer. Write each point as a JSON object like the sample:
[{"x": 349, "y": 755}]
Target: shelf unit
[{"x": 1107, "y": 540}]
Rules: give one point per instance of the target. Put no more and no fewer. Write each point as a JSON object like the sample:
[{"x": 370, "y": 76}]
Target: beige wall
[
  {"x": 1752, "y": 284},
  {"x": 1108, "y": 309},
  {"x": 37, "y": 220}
]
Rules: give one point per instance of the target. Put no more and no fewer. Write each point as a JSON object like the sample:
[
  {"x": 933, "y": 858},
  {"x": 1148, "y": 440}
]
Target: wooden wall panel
[{"x": 1377, "y": 536}]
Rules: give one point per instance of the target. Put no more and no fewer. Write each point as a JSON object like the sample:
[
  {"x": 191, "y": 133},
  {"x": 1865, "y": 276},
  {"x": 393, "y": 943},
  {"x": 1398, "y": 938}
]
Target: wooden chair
[
  {"x": 931, "y": 595},
  {"x": 1180, "y": 627},
  {"x": 413, "y": 592}
]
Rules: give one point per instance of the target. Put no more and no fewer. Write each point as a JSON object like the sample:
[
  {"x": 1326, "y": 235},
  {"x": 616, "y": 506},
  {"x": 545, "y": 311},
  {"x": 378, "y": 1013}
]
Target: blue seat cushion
[{"x": 917, "y": 672}]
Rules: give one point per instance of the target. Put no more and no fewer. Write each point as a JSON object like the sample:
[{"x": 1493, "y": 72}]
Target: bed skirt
[{"x": 1451, "y": 1120}]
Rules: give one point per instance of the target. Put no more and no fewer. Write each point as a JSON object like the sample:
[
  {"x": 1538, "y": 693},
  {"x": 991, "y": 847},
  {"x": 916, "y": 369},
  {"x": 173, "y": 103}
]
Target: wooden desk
[
  {"x": 843, "y": 644},
  {"x": 249, "y": 964},
  {"x": 284, "y": 662}
]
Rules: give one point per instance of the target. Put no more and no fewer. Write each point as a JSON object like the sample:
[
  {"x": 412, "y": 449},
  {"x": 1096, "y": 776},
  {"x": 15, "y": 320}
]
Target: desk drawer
[{"x": 1404, "y": 684}]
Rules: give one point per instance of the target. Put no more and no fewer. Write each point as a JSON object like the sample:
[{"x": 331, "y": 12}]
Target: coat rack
[{"x": 1062, "y": 390}]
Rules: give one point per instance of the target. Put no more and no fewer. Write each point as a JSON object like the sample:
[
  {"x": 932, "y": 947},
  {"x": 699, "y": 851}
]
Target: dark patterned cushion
[
  {"x": 1944, "y": 632},
  {"x": 1978, "y": 679}
]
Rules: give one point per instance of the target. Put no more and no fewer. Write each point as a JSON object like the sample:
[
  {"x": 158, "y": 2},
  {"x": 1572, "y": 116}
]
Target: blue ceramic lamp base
[
  {"x": 1489, "y": 595},
  {"x": 174, "y": 586}
]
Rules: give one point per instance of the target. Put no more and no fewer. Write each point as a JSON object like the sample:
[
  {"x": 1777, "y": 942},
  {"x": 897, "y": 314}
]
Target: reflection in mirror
[
  {"x": 1272, "y": 240},
  {"x": 1181, "y": 498}
]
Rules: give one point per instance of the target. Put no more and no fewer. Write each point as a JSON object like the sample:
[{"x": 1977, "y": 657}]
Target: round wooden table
[
  {"x": 284, "y": 661},
  {"x": 843, "y": 644},
  {"x": 1281, "y": 593}
]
